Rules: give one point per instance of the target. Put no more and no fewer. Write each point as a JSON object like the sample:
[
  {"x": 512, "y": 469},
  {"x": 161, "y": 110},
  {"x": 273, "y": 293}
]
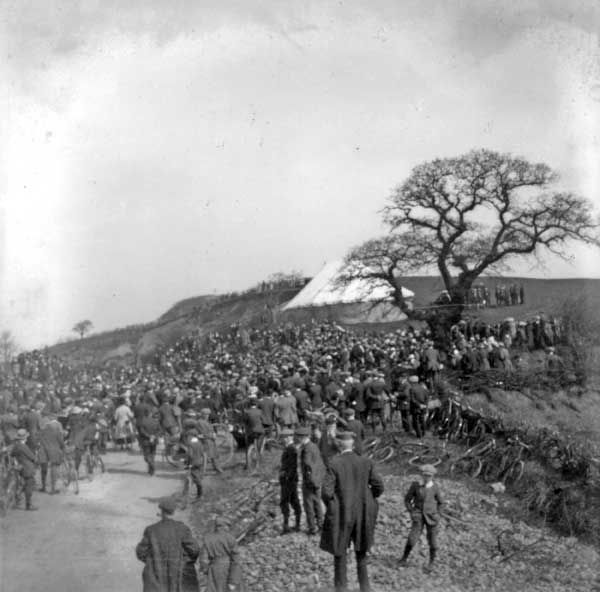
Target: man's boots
[
  {"x": 44, "y": 473},
  {"x": 429, "y": 567},
  {"x": 297, "y": 527},
  {"x": 404, "y": 560},
  {"x": 286, "y": 528}
]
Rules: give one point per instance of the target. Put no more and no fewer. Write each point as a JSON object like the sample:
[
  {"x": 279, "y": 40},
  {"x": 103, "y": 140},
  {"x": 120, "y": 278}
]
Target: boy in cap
[
  {"x": 27, "y": 460},
  {"x": 219, "y": 558},
  {"x": 169, "y": 551},
  {"x": 288, "y": 480},
  {"x": 424, "y": 503}
]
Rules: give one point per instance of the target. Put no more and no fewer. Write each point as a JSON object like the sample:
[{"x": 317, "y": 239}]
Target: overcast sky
[{"x": 151, "y": 151}]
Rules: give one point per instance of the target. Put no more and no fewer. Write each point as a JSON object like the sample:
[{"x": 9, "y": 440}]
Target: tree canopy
[
  {"x": 475, "y": 213},
  {"x": 83, "y": 327}
]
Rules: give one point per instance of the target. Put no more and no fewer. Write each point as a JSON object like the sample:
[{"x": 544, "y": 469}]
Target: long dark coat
[
  {"x": 169, "y": 551},
  {"x": 350, "y": 489},
  {"x": 51, "y": 443}
]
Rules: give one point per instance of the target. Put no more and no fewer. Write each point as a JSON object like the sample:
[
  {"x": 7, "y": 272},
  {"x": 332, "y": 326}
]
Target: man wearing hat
[
  {"x": 148, "y": 431},
  {"x": 51, "y": 450},
  {"x": 219, "y": 558},
  {"x": 288, "y": 480},
  {"x": 27, "y": 460},
  {"x": 169, "y": 551},
  {"x": 254, "y": 429},
  {"x": 206, "y": 433},
  {"x": 355, "y": 426},
  {"x": 424, "y": 503},
  {"x": 350, "y": 489},
  {"x": 418, "y": 398},
  {"x": 313, "y": 472},
  {"x": 196, "y": 460}
]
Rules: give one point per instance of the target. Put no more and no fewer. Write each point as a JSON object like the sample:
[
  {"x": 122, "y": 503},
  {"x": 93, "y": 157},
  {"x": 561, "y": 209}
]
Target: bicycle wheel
[
  {"x": 382, "y": 455},
  {"x": 514, "y": 472},
  {"x": 370, "y": 443},
  {"x": 252, "y": 458},
  {"x": 224, "y": 444},
  {"x": 415, "y": 448},
  {"x": 467, "y": 465},
  {"x": 425, "y": 459},
  {"x": 176, "y": 456},
  {"x": 88, "y": 462}
]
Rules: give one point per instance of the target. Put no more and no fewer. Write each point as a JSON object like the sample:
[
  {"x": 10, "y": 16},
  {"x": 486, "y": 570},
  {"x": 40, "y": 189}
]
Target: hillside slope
[{"x": 213, "y": 313}]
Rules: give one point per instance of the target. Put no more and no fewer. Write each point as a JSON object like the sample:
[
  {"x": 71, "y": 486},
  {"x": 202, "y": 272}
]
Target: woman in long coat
[{"x": 123, "y": 426}]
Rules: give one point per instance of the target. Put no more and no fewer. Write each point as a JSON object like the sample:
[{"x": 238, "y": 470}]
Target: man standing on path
[
  {"x": 418, "y": 396},
  {"x": 424, "y": 504},
  {"x": 51, "y": 450},
  {"x": 254, "y": 430},
  {"x": 206, "y": 433},
  {"x": 288, "y": 480},
  {"x": 148, "y": 429},
  {"x": 350, "y": 489},
  {"x": 27, "y": 460},
  {"x": 313, "y": 472},
  {"x": 169, "y": 551}
]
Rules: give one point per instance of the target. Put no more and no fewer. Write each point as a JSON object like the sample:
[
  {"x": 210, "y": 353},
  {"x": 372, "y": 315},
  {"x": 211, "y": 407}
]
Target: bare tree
[
  {"x": 82, "y": 328},
  {"x": 380, "y": 261},
  {"x": 483, "y": 209},
  {"x": 8, "y": 347}
]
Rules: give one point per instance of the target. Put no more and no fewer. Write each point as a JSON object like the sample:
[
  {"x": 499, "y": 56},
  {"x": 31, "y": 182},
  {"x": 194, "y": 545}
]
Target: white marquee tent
[{"x": 355, "y": 302}]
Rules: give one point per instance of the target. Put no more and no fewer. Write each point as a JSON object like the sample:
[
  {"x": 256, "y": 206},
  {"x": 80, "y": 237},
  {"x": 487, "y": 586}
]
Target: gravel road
[{"x": 86, "y": 541}]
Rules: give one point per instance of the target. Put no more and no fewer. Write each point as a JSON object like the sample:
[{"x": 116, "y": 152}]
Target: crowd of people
[{"x": 314, "y": 386}]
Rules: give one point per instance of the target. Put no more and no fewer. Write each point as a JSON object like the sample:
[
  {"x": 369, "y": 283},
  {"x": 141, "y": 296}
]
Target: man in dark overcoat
[
  {"x": 148, "y": 431},
  {"x": 169, "y": 551},
  {"x": 313, "y": 471},
  {"x": 50, "y": 454},
  {"x": 288, "y": 481},
  {"x": 350, "y": 491}
]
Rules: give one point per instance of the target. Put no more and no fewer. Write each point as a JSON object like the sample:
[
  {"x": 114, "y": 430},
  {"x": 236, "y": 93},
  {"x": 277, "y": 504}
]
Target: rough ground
[
  {"x": 86, "y": 541},
  {"x": 470, "y": 559}
]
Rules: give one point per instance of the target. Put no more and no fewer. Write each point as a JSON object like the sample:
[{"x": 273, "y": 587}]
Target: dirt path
[{"x": 86, "y": 541}]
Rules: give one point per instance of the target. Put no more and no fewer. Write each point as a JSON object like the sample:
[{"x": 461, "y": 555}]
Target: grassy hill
[{"x": 212, "y": 313}]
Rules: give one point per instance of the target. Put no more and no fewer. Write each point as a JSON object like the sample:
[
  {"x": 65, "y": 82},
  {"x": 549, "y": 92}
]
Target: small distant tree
[
  {"x": 8, "y": 347},
  {"x": 82, "y": 328}
]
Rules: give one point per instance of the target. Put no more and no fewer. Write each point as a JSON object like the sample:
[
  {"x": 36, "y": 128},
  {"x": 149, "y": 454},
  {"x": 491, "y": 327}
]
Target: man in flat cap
[
  {"x": 169, "y": 551},
  {"x": 27, "y": 461},
  {"x": 424, "y": 503},
  {"x": 288, "y": 480},
  {"x": 313, "y": 472},
  {"x": 350, "y": 491},
  {"x": 219, "y": 558}
]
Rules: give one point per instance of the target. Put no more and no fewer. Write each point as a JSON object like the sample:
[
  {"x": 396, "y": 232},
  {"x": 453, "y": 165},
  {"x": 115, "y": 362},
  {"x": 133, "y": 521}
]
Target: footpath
[{"x": 86, "y": 541}]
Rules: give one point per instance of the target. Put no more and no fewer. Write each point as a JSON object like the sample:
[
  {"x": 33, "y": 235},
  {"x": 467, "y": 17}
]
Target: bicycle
[
  {"x": 471, "y": 462},
  {"x": 92, "y": 460},
  {"x": 66, "y": 471},
  {"x": 11, "y": 482}
]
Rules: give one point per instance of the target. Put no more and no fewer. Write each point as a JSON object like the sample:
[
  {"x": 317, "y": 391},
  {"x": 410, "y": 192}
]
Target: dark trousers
[
  {"x": 196, "y": 474},
  {"x": 418, "y": 523},
  {"x": 312, "y": 507},
  {"x": 290, "y": 499},
  {"x": 405, "y": 414},
  {"x": 28, "y": 487},
  {"x": 340, "y": 574},
  {"x": 418, "y": 418},
  {"x": 149, "y": 451}
]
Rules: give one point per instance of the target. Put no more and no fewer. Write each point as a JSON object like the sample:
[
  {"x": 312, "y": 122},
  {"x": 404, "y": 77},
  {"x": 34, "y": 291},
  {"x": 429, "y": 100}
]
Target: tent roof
[{"x": 322, "y": 290}]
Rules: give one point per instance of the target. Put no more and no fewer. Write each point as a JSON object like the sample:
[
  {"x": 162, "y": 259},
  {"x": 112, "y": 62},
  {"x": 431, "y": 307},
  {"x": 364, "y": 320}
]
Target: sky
[{"x": 151, "y": 151}]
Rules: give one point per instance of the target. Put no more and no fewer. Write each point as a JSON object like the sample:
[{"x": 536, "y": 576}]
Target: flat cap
[
  {"x": 205, "y": 411},
  {"x": 302, "y": 431},
  {"x": 413, "y": 378},
  {"x": 286, "y": 432},
  {"x": 428, "y": 470},
  {"x": 167, "y": 505}
]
